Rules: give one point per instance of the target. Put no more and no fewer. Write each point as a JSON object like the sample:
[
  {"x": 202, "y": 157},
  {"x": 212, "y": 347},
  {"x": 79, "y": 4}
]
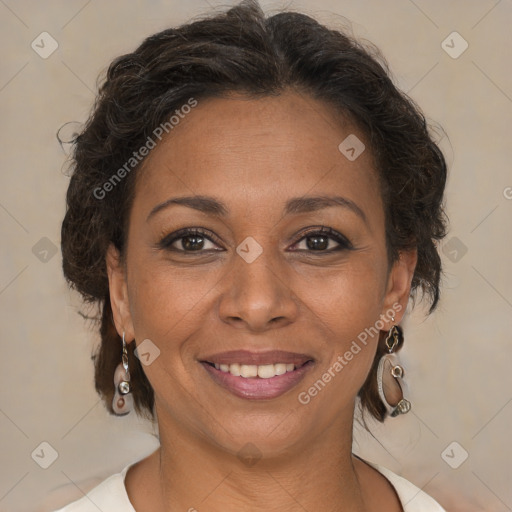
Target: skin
[{"x": 253, "y": 156}]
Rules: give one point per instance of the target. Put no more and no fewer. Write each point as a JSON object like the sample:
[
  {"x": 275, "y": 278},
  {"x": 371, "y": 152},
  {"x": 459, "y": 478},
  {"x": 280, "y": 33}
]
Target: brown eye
[
  {"x": 192, "y": 242},
  {"x": 316, "y": 242},
  {"x": 189, "y": 240},
  {"x": 323, "y": 240}
]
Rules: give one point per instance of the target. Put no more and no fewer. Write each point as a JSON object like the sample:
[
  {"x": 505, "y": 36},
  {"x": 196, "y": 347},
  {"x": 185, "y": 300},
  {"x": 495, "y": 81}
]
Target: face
[{"x": 278, "y": 246}]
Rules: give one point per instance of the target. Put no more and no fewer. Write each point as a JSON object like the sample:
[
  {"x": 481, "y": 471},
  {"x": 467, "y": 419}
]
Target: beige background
[{"x": 457, "y": 360}]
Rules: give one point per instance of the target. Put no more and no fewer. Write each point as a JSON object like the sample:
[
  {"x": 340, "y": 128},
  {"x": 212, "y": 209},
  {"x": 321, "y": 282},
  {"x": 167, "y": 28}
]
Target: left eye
[
  {"x": 326, "y": 240},
  {"x": 318, "y": 242}
]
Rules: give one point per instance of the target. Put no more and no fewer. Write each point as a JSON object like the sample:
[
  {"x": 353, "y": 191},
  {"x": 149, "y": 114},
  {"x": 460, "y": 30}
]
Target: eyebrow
[{"x": 211, "y": 206}]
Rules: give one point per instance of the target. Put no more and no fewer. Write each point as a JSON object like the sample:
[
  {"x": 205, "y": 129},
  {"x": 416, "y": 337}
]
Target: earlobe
[
  {"x": 399, "y": 283},
  {"x": 118, "y": 290}
]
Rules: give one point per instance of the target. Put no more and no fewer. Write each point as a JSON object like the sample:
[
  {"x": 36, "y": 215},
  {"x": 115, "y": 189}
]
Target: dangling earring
[
  {"x": 122, "y": 402},
  {"x": 390, "y": 374}
]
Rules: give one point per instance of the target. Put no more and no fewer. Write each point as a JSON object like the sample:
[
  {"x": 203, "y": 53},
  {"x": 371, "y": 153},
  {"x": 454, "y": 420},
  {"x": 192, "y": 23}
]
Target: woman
[{"x": 252, "y": 205}]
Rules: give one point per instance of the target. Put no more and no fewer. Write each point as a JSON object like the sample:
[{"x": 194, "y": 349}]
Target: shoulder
[
  {"x": 412, "y": 498},
  {"x": 110, "y": 494}
]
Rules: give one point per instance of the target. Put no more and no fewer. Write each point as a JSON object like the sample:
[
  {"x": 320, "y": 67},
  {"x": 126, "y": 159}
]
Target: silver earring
[
  {"x": 122, "y": 402},
  {"x": 390, "y": 374}
]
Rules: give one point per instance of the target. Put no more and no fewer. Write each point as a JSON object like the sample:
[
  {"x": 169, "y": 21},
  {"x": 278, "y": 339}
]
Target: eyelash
[{"x": 167, "y": 241}]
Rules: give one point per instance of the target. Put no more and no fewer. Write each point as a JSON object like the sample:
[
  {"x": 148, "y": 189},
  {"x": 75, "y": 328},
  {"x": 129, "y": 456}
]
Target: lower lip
[{"x": 255, "y": 388}]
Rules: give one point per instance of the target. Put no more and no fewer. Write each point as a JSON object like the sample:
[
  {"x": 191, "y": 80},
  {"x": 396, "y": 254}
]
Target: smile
[
  {"x": 257, "y": 381},
  {"x": 264, "y": 371}
]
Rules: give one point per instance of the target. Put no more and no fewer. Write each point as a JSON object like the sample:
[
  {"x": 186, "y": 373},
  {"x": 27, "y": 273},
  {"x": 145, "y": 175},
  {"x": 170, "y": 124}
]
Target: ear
[
  {"x": 119, "y": 294},
  {"x": 399, "y": 284}
]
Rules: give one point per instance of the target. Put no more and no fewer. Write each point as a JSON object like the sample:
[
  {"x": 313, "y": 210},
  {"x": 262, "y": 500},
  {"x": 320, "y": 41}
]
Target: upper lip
[{"x": 257, "y": 358}]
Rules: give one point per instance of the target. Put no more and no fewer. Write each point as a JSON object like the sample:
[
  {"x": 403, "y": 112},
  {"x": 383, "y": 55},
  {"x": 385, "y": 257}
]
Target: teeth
[
  {"x": 249, "y": 370},
  {"x": 234, "y": 369},
  {"x": 280, "y": 369},
  {"x": 264, "y": 371}
]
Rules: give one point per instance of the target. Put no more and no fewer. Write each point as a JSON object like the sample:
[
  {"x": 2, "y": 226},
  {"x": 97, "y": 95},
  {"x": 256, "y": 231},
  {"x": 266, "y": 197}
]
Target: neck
[{"x": 194, "y": 474}]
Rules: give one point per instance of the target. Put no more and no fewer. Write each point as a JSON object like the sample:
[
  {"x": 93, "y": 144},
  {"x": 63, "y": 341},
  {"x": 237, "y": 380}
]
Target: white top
[{"x": 111, "y": 496}]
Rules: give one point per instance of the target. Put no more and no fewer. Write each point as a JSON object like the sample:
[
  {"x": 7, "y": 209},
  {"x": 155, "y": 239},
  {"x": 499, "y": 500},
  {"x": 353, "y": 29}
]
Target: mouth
[{"x": 257, "y": 376}]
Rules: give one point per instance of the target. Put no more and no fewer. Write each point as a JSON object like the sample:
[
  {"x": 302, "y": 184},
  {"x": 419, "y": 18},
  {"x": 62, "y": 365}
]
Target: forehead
[{"x": 257, "y": 152}]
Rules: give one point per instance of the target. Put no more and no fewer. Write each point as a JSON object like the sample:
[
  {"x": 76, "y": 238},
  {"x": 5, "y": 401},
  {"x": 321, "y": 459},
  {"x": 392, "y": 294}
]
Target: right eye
[{"x": 189, "y": 240}]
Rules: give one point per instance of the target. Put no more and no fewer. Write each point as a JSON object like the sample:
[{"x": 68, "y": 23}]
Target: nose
[{"x": 257, "y": 296}]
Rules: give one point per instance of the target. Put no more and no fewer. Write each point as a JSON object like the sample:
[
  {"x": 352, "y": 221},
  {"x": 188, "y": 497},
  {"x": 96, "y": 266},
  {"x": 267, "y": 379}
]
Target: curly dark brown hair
[{"x": 243, "y": 51}]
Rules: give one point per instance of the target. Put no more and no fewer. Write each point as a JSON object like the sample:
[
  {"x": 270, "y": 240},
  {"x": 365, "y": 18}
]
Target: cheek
[
  {"x": 347, "y": 299},
  {"x": 162, "y": 301},
  {"x": 170, "y": 307},
  {"x": 346, "y": 308},
  {"x": 167, "y": 309}
]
